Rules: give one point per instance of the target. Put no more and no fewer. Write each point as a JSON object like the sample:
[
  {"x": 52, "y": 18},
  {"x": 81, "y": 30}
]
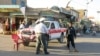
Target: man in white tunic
[{"x": 41, "y": 30}]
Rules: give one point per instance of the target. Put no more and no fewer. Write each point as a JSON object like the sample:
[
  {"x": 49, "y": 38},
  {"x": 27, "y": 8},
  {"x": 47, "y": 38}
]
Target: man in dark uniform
[{"x": 71, "y": 35}]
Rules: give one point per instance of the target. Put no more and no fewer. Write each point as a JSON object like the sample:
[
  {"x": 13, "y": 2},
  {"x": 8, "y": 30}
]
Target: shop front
[{"x": 6, "y": 17}]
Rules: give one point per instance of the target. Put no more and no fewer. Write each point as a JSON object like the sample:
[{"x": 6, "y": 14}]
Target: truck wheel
[
  {"x": 61, "y": 39},
  {"x": 26, "y": 43}
]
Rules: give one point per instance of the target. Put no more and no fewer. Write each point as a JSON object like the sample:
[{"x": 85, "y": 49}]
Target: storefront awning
[{"x": 9, "y": 6}]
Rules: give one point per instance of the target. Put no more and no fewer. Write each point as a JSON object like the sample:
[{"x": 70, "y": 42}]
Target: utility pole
[{"x": 68, "y": 3}]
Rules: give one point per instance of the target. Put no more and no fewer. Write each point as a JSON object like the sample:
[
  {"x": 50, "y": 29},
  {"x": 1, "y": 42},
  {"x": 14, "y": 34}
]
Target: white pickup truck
[{"x": 55, "y": 29}]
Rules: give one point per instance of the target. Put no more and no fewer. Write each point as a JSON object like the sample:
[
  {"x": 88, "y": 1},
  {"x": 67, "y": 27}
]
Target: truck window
[
  {"x": 57, "y": 24},
  {"x": 52, "y": 26},
  {"x": 61, "y": 25}
]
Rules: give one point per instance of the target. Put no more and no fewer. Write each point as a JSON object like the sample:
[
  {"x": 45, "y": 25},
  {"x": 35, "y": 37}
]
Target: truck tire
[
  {"x": 26, "y": 43},
  {"x": 61, "y": 39}
]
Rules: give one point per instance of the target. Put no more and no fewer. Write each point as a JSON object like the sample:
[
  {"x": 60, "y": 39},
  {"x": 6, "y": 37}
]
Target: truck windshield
[{"x": 47, "y": 24}]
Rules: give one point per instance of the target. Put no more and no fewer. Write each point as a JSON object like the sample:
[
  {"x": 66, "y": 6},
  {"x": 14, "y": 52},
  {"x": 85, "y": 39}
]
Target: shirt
[
  {"x": 40, "y": 28},
  {"x": 21, "y": 26},
  {"x": 71, "y": 31}
]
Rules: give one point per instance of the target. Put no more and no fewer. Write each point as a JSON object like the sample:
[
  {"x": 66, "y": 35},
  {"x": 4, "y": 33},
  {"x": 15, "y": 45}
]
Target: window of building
[{"x": 14, "y": 2}]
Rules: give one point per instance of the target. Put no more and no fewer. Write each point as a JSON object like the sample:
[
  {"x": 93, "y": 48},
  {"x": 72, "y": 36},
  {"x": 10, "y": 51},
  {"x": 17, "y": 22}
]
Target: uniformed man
[
  {"x": 41, "y": 30},
  {"x": 70, "y": 37}
]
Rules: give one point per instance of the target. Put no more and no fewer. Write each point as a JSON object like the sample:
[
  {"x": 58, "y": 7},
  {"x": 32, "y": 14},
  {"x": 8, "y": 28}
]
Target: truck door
[
  {"x": 58, "y": 29},
  {"x": 53, "y": 31}
]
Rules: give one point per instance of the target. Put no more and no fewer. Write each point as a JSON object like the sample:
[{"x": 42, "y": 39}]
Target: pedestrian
[
  {"x": 94, "y": 31},
  {"x": 22, "y": 25},
  {"x": 84, "y": 29},
  {"x": 1, "y": 27},
  {"x": 41, "y": 39},
  {"x": 28, "y": 23},
  {"x": 71, "y": 35}
]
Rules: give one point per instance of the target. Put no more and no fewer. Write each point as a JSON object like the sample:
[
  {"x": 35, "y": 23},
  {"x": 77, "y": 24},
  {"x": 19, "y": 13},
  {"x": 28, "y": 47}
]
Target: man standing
[
  {"x": 41, "y": 30},
  {"x": 84, "y": 29},
  {"x": 22, "y": 25},
  {"x": 70, "y": 37}
]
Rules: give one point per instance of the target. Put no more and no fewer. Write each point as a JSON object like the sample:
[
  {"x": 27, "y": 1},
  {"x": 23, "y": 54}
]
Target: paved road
[{"x": 86, "y": 44}]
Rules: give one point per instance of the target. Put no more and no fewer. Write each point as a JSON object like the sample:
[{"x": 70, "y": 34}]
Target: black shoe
[{"x": 47, "y": 53}]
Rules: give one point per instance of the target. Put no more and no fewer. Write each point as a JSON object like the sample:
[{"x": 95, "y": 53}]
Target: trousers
[
  {"x": 70, "y": 39},
  {"x": 41, "y": 42}
]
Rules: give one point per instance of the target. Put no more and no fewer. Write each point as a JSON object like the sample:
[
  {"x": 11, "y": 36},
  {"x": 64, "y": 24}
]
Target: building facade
[
  {"x": 10, "y": 12},
  {"x": 81, "y": 14},
  {"x": 11, "y": 2}
]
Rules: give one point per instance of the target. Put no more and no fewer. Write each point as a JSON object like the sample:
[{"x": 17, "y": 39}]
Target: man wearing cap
[{"x": 41, "y": 30}]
